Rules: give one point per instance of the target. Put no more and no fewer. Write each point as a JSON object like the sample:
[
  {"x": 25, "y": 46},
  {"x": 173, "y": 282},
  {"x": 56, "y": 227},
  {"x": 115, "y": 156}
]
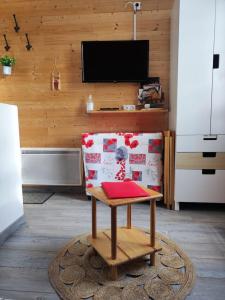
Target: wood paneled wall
[{"x": 56, "y": 29}]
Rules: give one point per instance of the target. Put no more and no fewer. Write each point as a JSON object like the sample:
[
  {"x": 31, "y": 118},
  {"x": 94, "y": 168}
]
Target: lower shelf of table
[{"x": 131, "y": 243}]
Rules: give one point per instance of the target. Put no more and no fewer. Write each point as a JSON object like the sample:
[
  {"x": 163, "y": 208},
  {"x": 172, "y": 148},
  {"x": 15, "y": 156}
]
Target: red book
[{"x": 127, "y": 189}]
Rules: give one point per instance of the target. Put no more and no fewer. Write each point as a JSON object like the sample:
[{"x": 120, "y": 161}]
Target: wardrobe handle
[
  {"x": 208, "y": 172},
  {"x": 210, "y": 137},
  {"x": 216, "y": 61},
  {"x": 208, "y": 154}
]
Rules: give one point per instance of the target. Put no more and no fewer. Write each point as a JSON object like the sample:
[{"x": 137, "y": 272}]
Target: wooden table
[{"x": 119, "y": 245}]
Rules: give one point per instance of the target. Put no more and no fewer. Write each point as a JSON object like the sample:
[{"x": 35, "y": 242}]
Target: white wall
[{"x": 11, "y": 201}]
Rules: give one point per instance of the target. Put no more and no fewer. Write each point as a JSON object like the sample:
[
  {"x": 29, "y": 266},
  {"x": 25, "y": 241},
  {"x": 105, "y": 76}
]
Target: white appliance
[
  {"x": 11, "y": 201},
  {"x": 197, "y": 99}
]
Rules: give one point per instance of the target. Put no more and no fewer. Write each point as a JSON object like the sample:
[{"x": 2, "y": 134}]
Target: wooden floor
[{"x": 24, "y": 258}]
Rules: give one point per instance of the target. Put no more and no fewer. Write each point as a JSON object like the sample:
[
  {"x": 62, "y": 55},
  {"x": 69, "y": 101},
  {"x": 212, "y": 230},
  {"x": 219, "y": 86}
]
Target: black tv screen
[{"x": 115, "y": 61}]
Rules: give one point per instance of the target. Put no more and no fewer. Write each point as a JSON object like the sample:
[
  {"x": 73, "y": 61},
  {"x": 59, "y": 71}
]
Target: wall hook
[
  {"x": 28, "y": 45},
  {"x": 7, "y": 47},
  {"x": 17, "y": 28}
]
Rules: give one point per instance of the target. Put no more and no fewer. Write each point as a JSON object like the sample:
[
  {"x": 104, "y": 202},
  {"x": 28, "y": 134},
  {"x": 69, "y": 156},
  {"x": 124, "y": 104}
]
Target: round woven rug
[{"x": 77, "y": 272}]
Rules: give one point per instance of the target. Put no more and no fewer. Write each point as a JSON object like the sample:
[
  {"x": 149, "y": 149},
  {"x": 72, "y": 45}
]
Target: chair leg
[
  {"x": 152, "y": 229},
  {"x": 94, "y": 220},
  {"x": 114, "y": 273},
  {"x": 129, "y": 216},
  {"x": 113, "y": 231}
]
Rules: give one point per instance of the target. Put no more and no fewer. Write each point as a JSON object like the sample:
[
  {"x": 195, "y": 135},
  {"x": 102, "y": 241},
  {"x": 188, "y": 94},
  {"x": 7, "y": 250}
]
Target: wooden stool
[{"x": 122, "y": 244}]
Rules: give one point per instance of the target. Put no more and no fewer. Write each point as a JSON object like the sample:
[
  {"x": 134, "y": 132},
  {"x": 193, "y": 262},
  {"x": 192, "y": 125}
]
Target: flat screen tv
[{"x": 115, "y": 61}]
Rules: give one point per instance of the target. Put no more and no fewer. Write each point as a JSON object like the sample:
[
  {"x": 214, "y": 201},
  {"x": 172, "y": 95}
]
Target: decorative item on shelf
[
  {"x": 7, "y": 47},
  {"x": 28, "y": 45},
  {"x": 7, "y": 62},
  {"x": 151, "y": 93},
  {"x": 128, "y": 107},
  {"x": 55, "y": 78},
  {"x": 16, "y": 28},
  {"x": 147, "y": 106},
  {"x": 90, "y": 104}
]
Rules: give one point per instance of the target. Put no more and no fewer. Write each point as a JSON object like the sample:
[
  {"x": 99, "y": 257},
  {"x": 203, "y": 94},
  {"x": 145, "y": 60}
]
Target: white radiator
[{"x": 51, "y": 166}]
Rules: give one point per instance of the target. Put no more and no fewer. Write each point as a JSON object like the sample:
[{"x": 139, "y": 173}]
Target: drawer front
[
  {"x": 204, "y": 160},
  {"x": 200, "y": 143},
  {"x": 193, "y": 186}
]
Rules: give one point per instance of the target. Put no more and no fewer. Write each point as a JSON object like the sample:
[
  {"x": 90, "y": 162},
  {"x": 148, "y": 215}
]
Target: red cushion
[{"x": 127, "y": 189}]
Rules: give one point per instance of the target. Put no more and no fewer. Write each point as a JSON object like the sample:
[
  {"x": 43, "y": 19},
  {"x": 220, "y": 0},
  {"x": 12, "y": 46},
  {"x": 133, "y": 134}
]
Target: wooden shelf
[
  {"x": 145, "y": 111},
  {"x": 131, "y": 243}
]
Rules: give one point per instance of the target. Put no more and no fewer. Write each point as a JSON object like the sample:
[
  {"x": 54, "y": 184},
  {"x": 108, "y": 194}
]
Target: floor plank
[
  {"x": 25, "y": 279},
  {"x": 25, "y": 258},
  {"x": 8, "y": 295},
  {"x": 208, "y": 289}
]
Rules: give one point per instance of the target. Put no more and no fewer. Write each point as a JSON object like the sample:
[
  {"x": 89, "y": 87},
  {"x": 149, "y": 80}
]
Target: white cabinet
[
  {"x": 197, "y": 94},
  {"x": 11, "y": 200}
]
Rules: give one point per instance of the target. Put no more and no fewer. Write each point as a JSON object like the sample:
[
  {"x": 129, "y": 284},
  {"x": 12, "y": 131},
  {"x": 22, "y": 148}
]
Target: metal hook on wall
[
  {"x": 28, "y": 45},
  {"x": 17, "y": 28},
  {"x": 7, "y": 47}
]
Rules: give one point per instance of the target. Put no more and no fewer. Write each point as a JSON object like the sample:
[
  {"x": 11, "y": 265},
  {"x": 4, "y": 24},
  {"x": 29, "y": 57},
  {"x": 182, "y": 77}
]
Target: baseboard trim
[{"x": 11, "y": 229}]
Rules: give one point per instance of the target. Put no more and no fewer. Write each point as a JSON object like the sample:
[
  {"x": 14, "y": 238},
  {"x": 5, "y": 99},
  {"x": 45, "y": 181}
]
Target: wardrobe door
[
  {"x": 195, "y": 63},
  {"x": 218, "y": 92}
]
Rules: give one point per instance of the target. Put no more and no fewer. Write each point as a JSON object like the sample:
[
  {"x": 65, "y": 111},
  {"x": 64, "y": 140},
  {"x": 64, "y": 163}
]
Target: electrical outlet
[{"x": 136, "y": 6}]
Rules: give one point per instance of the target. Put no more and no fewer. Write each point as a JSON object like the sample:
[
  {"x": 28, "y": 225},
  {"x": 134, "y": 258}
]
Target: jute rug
[{"x": 77, "y": 272}]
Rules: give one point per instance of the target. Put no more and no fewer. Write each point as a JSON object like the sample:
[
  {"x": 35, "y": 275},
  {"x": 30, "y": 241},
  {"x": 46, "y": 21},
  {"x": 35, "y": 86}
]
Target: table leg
[
  {"x": 152, "y": 229},
  {"x": 94, "y": 221},
  {"x": 114, "y": 272},
  {"x": 113, "y": 232},
  {"x": 129, "y": 216}
]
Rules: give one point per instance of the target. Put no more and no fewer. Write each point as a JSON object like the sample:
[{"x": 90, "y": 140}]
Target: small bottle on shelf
[{"x": 90, "y": 103}]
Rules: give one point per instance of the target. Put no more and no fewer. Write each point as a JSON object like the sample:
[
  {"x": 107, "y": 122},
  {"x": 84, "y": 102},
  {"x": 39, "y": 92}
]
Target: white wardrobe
[{"x": 197, "y": 98}]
